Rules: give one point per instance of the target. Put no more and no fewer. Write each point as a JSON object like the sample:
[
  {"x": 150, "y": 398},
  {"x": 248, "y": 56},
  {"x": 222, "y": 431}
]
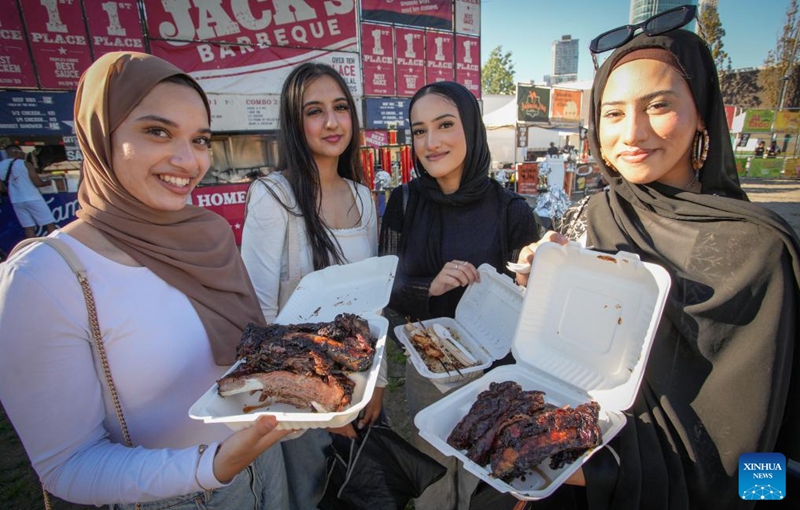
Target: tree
[
  {"x": 497, "y": 75},
  {"x": 777, "y": 74},
  {"x": 713, "y": 32}
]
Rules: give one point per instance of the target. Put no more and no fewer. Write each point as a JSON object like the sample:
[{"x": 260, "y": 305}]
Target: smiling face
[
  {"x": 160, "y": 151},
  {"x": 439, "y": 139},
  {"x": 648, "y": 120},
  {"x": 327, "y": 123}
]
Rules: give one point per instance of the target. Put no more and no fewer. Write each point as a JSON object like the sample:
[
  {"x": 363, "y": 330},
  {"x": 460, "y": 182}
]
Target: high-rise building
[
  {"x": 565, "y": 60},
  {"x": 643, "y": 9}
]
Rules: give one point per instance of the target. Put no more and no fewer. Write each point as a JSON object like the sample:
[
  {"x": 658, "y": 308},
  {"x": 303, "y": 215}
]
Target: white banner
[
  {"x": 232, "y": 112},
  {"x": 468, "y": 17}
]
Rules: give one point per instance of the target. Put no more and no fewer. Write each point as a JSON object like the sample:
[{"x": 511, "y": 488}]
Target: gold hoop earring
[
  {"x": 700, "y": 149},
  {"x": 607, "y": 162}
]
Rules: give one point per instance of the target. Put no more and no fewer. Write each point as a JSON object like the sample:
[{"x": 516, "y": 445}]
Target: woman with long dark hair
[{"x": 311, "y": 213}]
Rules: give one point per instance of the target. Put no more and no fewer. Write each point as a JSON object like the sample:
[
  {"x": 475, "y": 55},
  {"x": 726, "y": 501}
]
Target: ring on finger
[{"x": 456, "y": 266}]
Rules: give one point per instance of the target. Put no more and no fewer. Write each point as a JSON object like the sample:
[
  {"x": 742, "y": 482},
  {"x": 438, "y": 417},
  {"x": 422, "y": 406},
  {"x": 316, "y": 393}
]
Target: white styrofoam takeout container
[
  {"x": 361, "y": 288},
  {"x": 587, "y": 324},
  {"x": 486, "y": 317}
]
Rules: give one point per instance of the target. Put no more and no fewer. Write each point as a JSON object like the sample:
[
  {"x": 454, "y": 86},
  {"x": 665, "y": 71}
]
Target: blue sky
[{"x": 527, "y": 29}]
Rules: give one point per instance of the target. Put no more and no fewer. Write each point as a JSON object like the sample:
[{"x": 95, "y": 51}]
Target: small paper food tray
[
  {"x": 587, "y": 324},
  {"x": 486, "y": 317},
  {"x": 362, "y": 288}
]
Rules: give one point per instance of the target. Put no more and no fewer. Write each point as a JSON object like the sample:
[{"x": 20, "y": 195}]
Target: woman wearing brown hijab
[{"x": 172, "y": 299}]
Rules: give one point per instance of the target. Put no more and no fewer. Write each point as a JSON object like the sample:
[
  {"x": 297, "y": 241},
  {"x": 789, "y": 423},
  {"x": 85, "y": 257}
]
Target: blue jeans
[
  {"x": 306, "y": 467},
  {"x": 262, "y": 486}
]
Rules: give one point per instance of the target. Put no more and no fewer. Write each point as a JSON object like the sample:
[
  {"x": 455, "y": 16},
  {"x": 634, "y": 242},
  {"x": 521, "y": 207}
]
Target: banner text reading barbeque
[{"x": 313, "y": 24}]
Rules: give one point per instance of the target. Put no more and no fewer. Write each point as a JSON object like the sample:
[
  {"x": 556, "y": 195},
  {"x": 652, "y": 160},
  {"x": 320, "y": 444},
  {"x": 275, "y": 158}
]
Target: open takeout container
[
  {"x": 362, "y": 288},
  {"x": 587, "y": 324},
  {"x": 486, "y": 317}
]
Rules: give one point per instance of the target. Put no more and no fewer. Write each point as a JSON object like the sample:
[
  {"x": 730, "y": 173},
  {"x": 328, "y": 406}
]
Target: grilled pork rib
[
  {"x": 514, "y": 431},
  {"x": 300, "y": 364}
]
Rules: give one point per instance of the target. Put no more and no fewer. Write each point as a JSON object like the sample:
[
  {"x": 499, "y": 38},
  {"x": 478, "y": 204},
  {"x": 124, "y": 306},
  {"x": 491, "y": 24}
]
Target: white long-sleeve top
[
  {"x": 264, "y": 239},
  {"x": 56, "y": 397}
]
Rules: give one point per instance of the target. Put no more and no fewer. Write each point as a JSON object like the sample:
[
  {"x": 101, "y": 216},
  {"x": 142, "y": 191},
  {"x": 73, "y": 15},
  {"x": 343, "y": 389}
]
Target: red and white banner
[
  {"x": 439, "y": 57},
  {"x": 376, "y": 139},
  {"x": 418, "y": 13},
  {"x": 241, "y": 47},
  {"x": 377, "y": 52},
  {"x": 468, "y": 63},
  {"x": 410, "y": 60},
  {"x": 468, "y": 17},
  {"x": 113, "y": 26},
  {"x": 58, "y": 40},
  {"x": 16, "y": 69},
  {"x": 227, "y": 200}
]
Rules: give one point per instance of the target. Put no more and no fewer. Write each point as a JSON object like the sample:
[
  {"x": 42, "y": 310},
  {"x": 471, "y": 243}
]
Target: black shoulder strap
[{"x": 8, "y": 173}]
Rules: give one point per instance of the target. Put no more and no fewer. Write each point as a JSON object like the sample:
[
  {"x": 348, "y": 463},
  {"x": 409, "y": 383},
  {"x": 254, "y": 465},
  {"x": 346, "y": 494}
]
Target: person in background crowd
[
  {"x": 759, "y": 152},
  {"x": 773, "y": 150},
  {"x": 311, "y": 213},
  {"x": 442, "y": 226},
  {"x": 143, "y": 128},
  {"x": 21, "y": 181},
  {"x": 553, "y": 150},
  {"x": 723, "y": 375}
]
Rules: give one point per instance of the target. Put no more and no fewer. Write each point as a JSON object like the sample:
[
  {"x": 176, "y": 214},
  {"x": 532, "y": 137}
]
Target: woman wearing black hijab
[
  {"x": 723, "y": 375},
  {"x": 443, "y": 225}
]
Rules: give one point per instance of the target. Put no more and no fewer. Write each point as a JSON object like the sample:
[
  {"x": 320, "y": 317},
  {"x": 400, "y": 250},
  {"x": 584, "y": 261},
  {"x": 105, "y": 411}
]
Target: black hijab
[
  {"x": 722, "y": 376},
  {"x": 475, "y": 177}
]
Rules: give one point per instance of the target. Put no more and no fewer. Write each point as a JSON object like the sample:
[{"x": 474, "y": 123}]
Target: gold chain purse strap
[{"x": 75, "y": 264}]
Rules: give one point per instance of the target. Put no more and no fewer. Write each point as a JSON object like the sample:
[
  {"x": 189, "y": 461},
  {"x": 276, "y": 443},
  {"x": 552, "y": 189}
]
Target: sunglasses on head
[{"x": 654, "y": 25}]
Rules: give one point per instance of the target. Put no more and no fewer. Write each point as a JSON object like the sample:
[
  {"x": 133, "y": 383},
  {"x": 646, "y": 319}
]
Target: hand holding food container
[
  {"x": 317, "y": 365},
  {"x": 580, "y": 335}
]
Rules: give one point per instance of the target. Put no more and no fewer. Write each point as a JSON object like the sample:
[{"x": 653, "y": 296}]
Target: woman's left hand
[
  {"x": 372, "y": 411},
  {"x": 456, "y": 273}
]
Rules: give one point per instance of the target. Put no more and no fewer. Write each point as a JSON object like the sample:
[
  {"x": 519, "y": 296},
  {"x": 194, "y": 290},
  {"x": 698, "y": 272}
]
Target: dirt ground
[{"x": 19, "y": 487}]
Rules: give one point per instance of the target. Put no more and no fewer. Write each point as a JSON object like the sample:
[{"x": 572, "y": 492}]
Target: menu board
[
  {"x": 36, "y": 113},
  {"x": 384, "y": 113}
]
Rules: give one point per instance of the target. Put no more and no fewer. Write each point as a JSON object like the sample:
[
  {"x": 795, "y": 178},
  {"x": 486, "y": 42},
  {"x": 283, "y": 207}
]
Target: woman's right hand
[
  {"x": 240, "y": 449},
  {"x": 526, "y": 254}
]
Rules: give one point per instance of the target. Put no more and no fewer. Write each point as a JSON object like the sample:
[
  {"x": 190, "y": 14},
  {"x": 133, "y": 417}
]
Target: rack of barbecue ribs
[
  {"x": 303, "y": 365},
  {"x": 515, "y": 430}
]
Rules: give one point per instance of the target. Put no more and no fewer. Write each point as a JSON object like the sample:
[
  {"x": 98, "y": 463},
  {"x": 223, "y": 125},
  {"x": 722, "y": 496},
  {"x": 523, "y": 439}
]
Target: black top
[
  {"x": 490, "y": 230},
  {"x": 722, "y": 377}
]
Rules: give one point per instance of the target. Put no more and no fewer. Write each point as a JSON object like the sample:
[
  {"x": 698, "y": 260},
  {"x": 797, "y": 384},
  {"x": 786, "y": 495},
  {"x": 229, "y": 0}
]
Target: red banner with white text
[
  {"x": 227, "y": 200},
  {"x": 439, "y": 57},
  {"x": 58, "y": 40},
  {"x": 113, "y": 26},
  {"x": 16, "y": 69},
  {"x": 377, "y": 52},
  {"x": 468, "y": 63},
  {"x": 249, "y": 46},
  {"x": 410, "y": 60}
]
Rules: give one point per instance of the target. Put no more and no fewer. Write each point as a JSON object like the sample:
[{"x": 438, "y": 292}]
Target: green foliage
[
  {"x": 497, "y": 75},
  {"x": 713, "y": 33},
  {"x": 777, "y": 74}
]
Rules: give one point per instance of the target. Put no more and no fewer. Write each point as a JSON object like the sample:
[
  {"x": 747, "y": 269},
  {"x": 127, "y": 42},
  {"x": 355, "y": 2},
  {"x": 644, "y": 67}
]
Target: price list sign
[
  {"x": 36, "y": 113},
  {"x": 384, "y": 113}
]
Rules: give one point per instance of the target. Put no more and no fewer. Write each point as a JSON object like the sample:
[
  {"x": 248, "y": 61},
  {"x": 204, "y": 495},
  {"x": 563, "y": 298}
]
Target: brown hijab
[{"x": 191, "y": 249}]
